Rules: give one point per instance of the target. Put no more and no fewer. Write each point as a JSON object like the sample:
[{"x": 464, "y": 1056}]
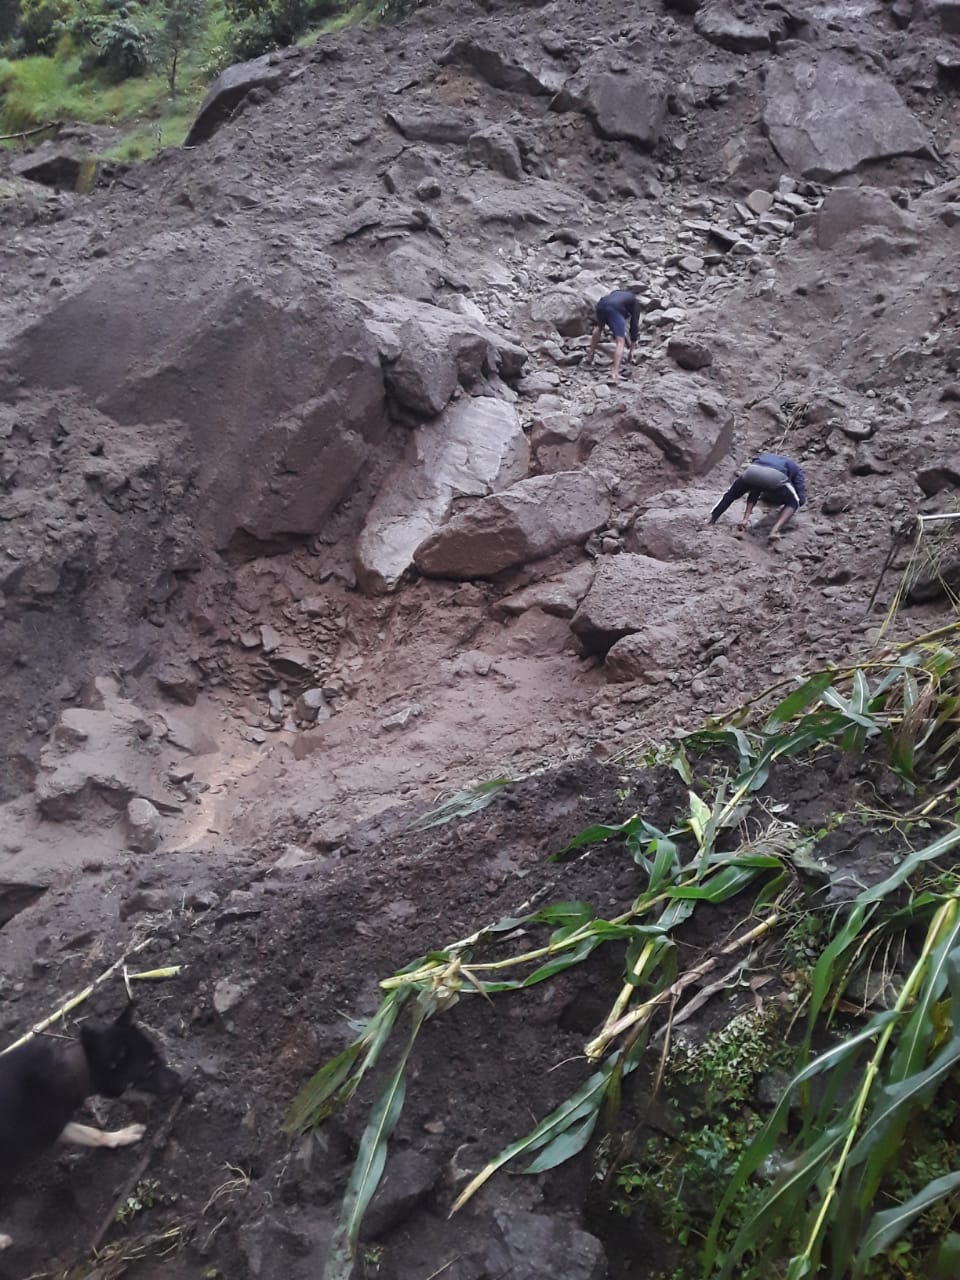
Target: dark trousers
[{"x": 782, "y": 497}]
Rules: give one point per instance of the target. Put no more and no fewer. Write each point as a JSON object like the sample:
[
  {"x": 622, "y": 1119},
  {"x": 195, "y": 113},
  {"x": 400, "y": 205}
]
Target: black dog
[{"x": 43, "y": 1082}]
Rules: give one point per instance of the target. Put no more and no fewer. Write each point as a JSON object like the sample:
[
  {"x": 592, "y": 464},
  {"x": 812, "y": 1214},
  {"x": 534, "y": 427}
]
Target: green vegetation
[
  {"x": 849, "y": 1164},
  {"x": 146, "y": 65}
]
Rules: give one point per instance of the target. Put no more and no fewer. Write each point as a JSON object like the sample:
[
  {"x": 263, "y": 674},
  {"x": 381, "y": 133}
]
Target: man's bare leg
[
  {"x": 617, "y": 357},
  {"x": 83, "y": 1135},
  {"x": 782, "y": 518},
  {"x": 592, "y": 349}
]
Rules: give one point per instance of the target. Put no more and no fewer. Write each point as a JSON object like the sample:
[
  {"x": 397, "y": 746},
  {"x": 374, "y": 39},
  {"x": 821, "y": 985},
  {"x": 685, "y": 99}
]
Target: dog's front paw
[
  {"x": 5, "y": 1241},
  {"x": 128, "y": 1136}
]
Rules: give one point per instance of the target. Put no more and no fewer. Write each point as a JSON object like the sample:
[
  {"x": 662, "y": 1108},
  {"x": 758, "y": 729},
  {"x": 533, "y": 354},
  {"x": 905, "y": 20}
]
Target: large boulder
[
  {"x": 568, "y": 310},
  {"x": 630, "y": 593},
  {"x": 404, "y": 329},
  {"x": 493, "y": 198},
  {"x": 272, "y": 371},
  {"x": 64, "y": 165},
  {"x": 848, "y": 209},
  {"x": 508, "y": 63},
  {"x": 534, "y": 1246},
  {"x": 496, "y": 148},
  {"x": 433, "y": 124},
  {"x": 688, "y": 420},
  {"x": 476, "y": 447},
  {"x": 628, "y": 105},
  {"x": 826, "y": 115},
  {"x": 230, "y": 88},
  {"x": 529, "y": 521},
  {"x": 742, "y": 26}
]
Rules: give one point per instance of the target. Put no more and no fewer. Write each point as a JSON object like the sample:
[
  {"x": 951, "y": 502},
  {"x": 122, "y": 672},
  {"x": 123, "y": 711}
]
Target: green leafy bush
[{"x": 40, "y": 24}]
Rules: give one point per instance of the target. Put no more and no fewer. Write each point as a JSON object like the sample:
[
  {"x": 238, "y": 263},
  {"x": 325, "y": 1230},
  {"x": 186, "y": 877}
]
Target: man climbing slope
[
  {"x": 613, "y": 312},
  {"x": 772, "y": 479}
]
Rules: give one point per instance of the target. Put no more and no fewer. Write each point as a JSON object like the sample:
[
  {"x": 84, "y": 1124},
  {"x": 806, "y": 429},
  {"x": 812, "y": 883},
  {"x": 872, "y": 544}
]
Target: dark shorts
[
  {"x": 610, "y": 318},
  {"x": 785, "y": 496}
]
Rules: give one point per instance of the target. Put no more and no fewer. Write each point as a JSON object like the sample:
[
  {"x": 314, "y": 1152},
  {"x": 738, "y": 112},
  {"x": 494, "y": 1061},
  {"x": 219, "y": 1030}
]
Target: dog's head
[{"x": 120, "y": 1057}]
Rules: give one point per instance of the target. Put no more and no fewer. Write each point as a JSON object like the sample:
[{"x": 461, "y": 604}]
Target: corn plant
[{"x": 724, "y": 846}]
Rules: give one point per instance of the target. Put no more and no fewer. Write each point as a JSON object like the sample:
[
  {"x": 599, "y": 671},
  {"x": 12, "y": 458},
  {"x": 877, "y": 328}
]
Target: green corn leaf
[
  {"x": 785, "y": 1204},
  {"x": 565, "y": 1146},
  {"x": 917, "y": 1035},
  {"x": 809, "y": 692},
  {"x": 462, "y": 805},
  {"x": 372, "y": 1156},
  {"x": 887, "y": 1227},
  {"x": 311, "y": 1105},
  {"x": 946, "y": 842},
  {"x": 947, "y": 1265},
  {"x": 598, "y": 834},
  {"x": 587, "y": 1099},
  {"x": 719, "y": 887}
]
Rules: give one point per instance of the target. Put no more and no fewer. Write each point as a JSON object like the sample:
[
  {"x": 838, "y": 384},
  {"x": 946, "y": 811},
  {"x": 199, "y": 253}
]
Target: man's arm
[
  {"x": 798, "y": 480},
  {"x": 634, "y": 321}
]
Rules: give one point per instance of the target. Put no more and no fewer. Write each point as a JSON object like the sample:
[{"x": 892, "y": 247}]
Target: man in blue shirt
[
  {"x": 772, "y": 479},
  {"x": 612, "y": 313}
]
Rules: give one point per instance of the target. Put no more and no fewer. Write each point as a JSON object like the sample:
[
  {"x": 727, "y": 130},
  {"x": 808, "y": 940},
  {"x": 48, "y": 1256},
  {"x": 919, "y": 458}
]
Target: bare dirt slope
[{"x": 310, "y": 512}]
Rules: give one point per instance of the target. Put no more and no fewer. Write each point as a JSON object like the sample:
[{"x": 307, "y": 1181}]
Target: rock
[
  {"x": 507, "y": 63},
  {"x": 496, "y": 199},
  {"x": 687, "y": 420},
  {"x": 653, "y": 649},
  {"x": 408, "y": 1179},
  {"x": 429, "y": 189},
  {"x": 759, "y": 201},
  {"x": 848, "y": 209},
  {"x": 227, "y": 994},
  {"x": 293, "y": 662},
  {"x": 413, "y": 273},
  {"x": 402, "y": 327},
  {"x": 532, "y": 519},
  {"x": 311, "y": 707},
  {"x": 826, "y": 116},
  {"x": 689, "y": 354},
  {"x": 62, "y": 165},
  {"x": 540, "y": 383},
  {"x": 948, "y": 11},
  {"x": 630, "y": 106},
  {"x": 433, "y": 124},
  {"x": 496, "y": 148},
  {"x": 179, "y": 683},
  {"x": 943, "y": 475},
  {"x": 188, "y": 736},
  {"x": 143, "y": 825},
  {"x": 147, "y": 902},
  {"x": 425, "y": 376},
  {"x": 400, "y": 719},
  {"x": 567, "y": 310},
  {"x": 533, "y": 1246},
  {"x": 742, "y": 26},
  {"x": 229, "y": 89},
  {"x": 270, "y": 638},
  {"x": 558, "y": 596},
  {"x": 475, "y": 447},
  {"x": 620, "y": 599}
]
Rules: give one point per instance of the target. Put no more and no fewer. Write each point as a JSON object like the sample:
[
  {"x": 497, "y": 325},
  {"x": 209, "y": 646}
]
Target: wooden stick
[
  {"x": 157, "y": 1141},
  {"x": 79, "y": 998},
  {"x": 28, "y": 133}
]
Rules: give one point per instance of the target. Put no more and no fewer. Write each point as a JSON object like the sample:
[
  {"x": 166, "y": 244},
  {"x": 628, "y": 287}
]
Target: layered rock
[{"x": 527, "y": 522}]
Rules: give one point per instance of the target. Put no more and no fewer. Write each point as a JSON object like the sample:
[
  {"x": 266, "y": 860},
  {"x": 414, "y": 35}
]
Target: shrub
[{"x": 40, "y": 24}]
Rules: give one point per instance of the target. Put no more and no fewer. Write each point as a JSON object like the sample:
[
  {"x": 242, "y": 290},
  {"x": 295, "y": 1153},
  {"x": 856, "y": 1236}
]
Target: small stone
[
  {"x": 311, "y": 707},
  {"x": 429, "y": 189},
  {"x": 227, "y": 994},
  {"x": 256, "y": 735},
  {"x": 759, "y": 201},
  {"x": 402, "y": 717},
  {"x": 689, "y": 354},
  {"x": 143, "y": 825},
  {"x": 691, "y": 264},
  {"x": 179, "y": 774},
  {"x": 270, "y": 638},
  {"x": 858, "y": 430},
  {"x": 293, "y": 662}
]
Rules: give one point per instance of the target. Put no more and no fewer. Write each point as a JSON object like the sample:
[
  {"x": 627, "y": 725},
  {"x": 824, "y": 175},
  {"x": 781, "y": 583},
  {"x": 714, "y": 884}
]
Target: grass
[{"x": 846, "y": 1200}]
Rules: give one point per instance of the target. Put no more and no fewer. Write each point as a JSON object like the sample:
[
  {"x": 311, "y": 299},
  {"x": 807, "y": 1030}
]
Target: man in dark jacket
[
  {"x": 772, "y": 479},
  {"x": 612, "y": 313}
]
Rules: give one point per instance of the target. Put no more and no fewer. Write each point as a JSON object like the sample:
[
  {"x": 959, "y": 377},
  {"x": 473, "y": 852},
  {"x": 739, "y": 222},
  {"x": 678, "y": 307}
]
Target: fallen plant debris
[{"x": 830, "y": 1200}]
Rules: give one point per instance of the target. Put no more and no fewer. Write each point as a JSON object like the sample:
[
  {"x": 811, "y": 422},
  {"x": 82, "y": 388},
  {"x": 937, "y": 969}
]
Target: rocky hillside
[{"x": 310, "y": 509}]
